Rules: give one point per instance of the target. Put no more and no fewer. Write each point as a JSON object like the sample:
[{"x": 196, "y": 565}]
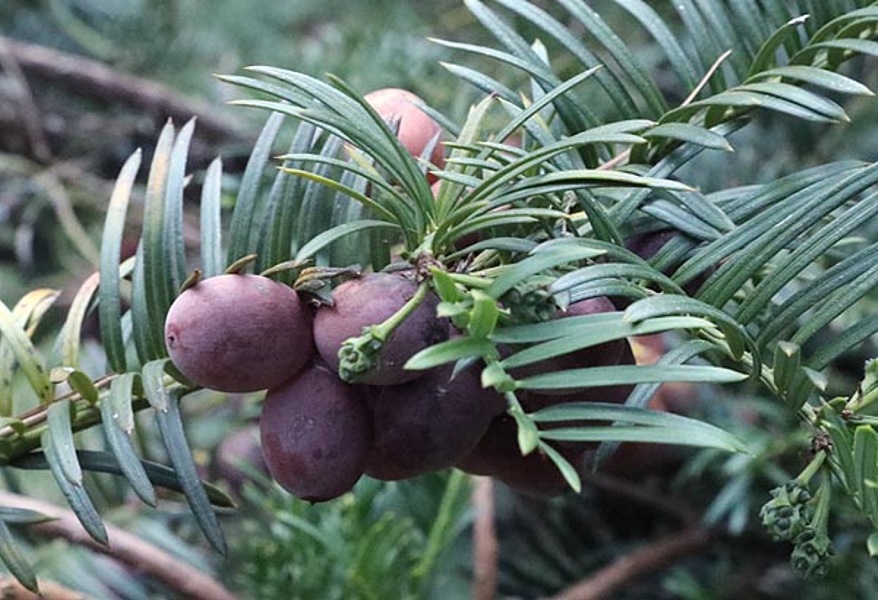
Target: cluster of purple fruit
[
  {"x": 319, "y": 433},
  {"x": 323, "y": 426}
]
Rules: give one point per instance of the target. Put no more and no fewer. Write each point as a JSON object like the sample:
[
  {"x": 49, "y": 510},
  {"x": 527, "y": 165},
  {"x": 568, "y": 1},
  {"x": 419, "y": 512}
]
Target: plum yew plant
[{"x": 768, "y": 282}]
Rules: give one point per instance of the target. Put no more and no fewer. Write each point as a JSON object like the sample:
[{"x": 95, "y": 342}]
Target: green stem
[
  {"x": 514, "y": 404},
  {"x": 470, "y": 281},
  {"x": 867, "y": 399},
  {"x": 37, "y": 415},
  {"x": 383, "y": 330},
  {"x": 821, "y": 510},
  {"x": 86, "y": 416},
  {"x": 812, "y": 468},
  {"x": 439, "y": 534},
  {"x": 528, "y": 434}
]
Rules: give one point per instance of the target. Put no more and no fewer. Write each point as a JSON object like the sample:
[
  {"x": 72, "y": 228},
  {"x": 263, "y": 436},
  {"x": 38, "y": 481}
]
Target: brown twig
[
  {"x": 38, "y": 414},
  {"x": 485, "y": 549},
  {"x": 124, "y": 547},
  {"x": 707, "y": 76},
  {"x": 605, "y": 582},
  {"x": 10, "y": 589},
  {"x": 30, "y": 115},
  {"x": 96, "y": 79},
  {"x": 623, "y": 157}
]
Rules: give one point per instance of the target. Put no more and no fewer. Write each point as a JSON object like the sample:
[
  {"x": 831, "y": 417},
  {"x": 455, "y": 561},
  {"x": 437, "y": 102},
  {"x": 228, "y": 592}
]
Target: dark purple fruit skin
[
  {"x": 613, "y": 393},
  {"x": 315, "y": 432},
  {"x": 607, "y": 354},
  {"x": 532, "y": 401},
  {"x": 498, "y": 455},
  {"x": 428, "y": 424},
  {"x": 370, "y": 300},
  {"x": 646, "y": 245},
  {"x": 239, "y": 333}
]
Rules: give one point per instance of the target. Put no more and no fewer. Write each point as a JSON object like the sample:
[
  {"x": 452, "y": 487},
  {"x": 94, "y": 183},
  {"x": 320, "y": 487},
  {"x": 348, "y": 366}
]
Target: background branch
[
  {"x": 10, "y": 589},
  {"x": 607, "y": 581},
  {"x": 485, "y": 549},
  {"x": 642, "y": 494},
  {"x": 30, "y": 119},
  {"x": 124, "y": 547},
  {"x": 98, "y": 80}
]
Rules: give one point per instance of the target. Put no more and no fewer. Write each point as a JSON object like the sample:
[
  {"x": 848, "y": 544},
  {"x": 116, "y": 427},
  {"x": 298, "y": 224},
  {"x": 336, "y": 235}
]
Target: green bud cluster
[
  {"x": 811, "y": 553},
  {"x": 788, "y": 513},
  {"x": 528, "y": 304},
  {"x": 358, "y": 355}
]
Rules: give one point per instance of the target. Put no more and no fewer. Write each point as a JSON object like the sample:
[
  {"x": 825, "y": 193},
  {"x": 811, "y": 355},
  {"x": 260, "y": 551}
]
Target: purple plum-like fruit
[
  {"x": 429, "y": 423},
  {"x": 370, "y": 300},
  {"x": 239, "y": 333},
  {"x": 647, "y": 245},
  {"x": 531, "y": 400},
  {"x": 498, "y": 455},
  {"x": 616, "y": 394},
  {"x": 606, "y": 354},
  {"x": 315, "y": 432}
]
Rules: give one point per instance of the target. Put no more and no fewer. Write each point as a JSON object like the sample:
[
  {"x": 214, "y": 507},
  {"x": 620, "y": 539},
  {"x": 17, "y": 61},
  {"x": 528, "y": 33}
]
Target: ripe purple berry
[{"x": 239, "y": 333}]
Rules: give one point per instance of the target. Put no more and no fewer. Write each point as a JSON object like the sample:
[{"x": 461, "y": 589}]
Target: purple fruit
[
  {"x": 498, "y": 455},
  {"x": 315, "y": 431},
  {"x": 370, "y": 300},
  {"x": 647, "y": 245},
  {"x": 239, "y": 333},
  {"x": 609, "y": 353},
  {"x": 531, "y": 400},
  {"x": 428, "y": 424}
]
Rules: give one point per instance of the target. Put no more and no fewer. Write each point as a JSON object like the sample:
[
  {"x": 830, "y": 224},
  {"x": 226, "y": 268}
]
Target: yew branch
[
  {"x": 124, "y": 547},
  {"x": 605, "y": 582}
]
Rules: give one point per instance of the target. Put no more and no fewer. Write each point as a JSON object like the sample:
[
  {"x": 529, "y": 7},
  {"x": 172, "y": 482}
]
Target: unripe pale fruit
[
  {"x": 428, "y": 424},
  {"x": 370, "y": 300},
  {"x": 415, "y": 129},
  {"x": 239, "y": 333},
  {"x": 315, "y": 432}
]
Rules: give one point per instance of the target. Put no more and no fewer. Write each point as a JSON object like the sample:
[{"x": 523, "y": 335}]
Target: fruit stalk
[{"x": 358, "y": 355}]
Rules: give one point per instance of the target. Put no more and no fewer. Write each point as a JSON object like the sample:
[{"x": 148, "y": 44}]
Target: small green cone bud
[
  {"x": 787, "y": 514},
  {"x": 358, "y": 355},
  {"x": 529, "y": 304},
  {"x": 811, "y": 553}
]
